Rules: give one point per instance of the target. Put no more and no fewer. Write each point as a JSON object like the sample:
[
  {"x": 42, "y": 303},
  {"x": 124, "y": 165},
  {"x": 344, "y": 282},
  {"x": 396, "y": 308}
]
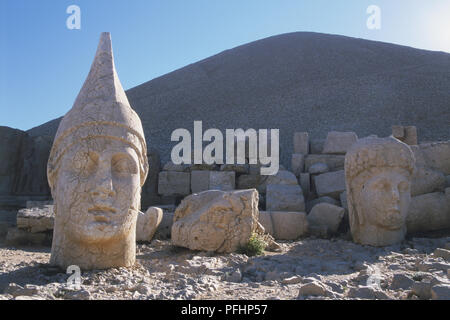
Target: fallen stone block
[
  {"x": 284, "y": 198},
  {"x": 426, "y": 180},
  {"x": 297, "y": 163},
  {"x": 428, "y": 212},
  {"x": 265, "y": 219},
  {"x": 325, "y": 215},
  {"x": 289, "y": 225},
  {"x": 318, "y": 168},
  {"x": 174, "y": 183},
  {"x": 199, "y": 181},
  {"x": 437, "y": 155},
  {"x": 18, "y": 237},
  {"x": 36, "y": 219},
  {"x": 330, "y": 184},
  {"x": 339, "y": 142},
  {"x": 334, "y": 162},
  {"x": 147, "y": 223},
  {"x": 216, "y": 220},
  {"x": 312, "y": 203},
  {"x": 222, "y": 180},
  {"x": 305, "y": 184}
]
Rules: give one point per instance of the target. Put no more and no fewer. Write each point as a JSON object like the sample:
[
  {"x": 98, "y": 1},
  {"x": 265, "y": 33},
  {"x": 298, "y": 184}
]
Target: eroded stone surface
[
  {"x": 378, "y": 180},
  {"x": 216, "y": 220},
  {"x": 97, "y": 166}
]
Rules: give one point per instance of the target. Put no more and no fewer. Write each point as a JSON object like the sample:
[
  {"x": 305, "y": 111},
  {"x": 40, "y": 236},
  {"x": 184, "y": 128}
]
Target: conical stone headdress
[{"x": 101, "y": 110}]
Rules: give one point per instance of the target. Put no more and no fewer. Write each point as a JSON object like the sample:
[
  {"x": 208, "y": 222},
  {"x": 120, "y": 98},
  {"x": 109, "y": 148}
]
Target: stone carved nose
[
  {"x": 103, "y": 185},
  {"x": 395, "y": 194}
]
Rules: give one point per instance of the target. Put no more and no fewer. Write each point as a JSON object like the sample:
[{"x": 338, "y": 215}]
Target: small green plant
[{"x": 255, "y": 245}]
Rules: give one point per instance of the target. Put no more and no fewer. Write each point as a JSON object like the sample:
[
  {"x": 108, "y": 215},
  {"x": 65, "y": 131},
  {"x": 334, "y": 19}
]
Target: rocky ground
[{"x": 418, "y": 268}]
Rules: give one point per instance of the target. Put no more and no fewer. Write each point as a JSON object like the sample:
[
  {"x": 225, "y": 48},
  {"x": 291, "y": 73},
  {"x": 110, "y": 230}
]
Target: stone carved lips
[{"x": 102, "y": 213}]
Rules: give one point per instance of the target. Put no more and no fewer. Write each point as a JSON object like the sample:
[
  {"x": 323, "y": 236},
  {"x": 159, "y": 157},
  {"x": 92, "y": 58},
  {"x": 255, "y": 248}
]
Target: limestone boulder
[
  {"x": 147, "y": 223},
  {"x": 305, "y": 183},
  {"x": 437, "y": 155},
  {"x": 222, "y": 180},
  {"x": 334, "y": 162},
  {"x": 339, "y": 142},
  {"x": 174, "y": 183},
  {"x": 289, "y": 225},
  {"x": 325, "y": 216},
  {"x": 216, "y": 220},
  {"x": 265, "y": 219},
  {"x": 285, "y": 198},
  {"x": 36, "y": 220},
  {"x": 428, "y": 212},
  {"x": 330, "y": 184},
  {"x": 199, "y": 181},
  {"x": 426, "y": 180},
  {"x": 297, "y": 163},
  {"x": 312, "y": 203},
  {"x": 318, "y": 168}
]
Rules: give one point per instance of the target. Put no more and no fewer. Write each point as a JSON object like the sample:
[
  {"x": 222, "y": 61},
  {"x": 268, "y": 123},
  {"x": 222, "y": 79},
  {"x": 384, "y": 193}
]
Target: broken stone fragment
[{"x": 216, "y": 220}]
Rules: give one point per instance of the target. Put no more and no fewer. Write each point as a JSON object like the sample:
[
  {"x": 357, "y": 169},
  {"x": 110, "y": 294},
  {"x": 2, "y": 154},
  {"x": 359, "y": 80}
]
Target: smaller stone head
[{"x": 378, "y": 175}]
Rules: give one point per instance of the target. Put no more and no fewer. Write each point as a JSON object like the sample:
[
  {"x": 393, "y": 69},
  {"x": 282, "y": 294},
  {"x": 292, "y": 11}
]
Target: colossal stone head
[
  {"x": 378, "y": 180},
  {"x": 97, "y": 166}
]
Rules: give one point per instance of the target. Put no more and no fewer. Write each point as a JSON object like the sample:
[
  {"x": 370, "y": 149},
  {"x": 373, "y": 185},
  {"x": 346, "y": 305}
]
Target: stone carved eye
[
  {"x": 84, "y": 163},
  {"x": 123, "y": 164}
]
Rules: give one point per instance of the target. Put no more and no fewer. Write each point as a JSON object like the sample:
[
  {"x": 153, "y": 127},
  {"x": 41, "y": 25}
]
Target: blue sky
[{"x": 43, "y": 64}]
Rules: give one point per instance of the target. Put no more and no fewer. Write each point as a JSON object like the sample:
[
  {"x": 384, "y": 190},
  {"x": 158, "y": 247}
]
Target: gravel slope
[{"x": 298, "y": 82}]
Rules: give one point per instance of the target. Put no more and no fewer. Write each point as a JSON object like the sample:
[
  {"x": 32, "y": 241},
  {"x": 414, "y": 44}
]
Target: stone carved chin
[{"x": 99, "y": 191}]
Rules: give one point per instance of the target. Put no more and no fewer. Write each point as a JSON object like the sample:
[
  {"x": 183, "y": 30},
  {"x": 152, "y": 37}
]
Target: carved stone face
[
  {"x": 98, "y": 190},
  {"x": 385, "y": 198}
]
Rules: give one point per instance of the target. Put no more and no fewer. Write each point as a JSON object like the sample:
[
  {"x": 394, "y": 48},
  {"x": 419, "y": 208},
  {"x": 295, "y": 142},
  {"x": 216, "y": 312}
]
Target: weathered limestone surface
[
  {"x": 147, "y": 223},
  {"x": 305, "y": 183},
  {"x": 429, "y": 212},
  {"x": 333, "y": 161},
  {"x": 174, "y": 183},
  {"x": 426, "y": 180},
  {"x": 289, "y": 225},
  {"x": 339, "y": 142},
  {"x": 285, "y": 198},
  {"x": 325, "y": 216},
  {"x": 216, "y": 220},
  {"x": 222, "y": 180},
  {"x": 318, "y": 168},
  {"x": 437, "y": 155},
  {"x": 297, "y": 163},
  {"x": 199, "y": 181},
  {"x": 312, "y": 203},
  {"x": 36, "y": 219},
  {"x": 330, "y": 184},
  {"x": 378, "y": 178},
  {"x": 96, "y": 169},
  {"x": 265, "y": 219}
]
